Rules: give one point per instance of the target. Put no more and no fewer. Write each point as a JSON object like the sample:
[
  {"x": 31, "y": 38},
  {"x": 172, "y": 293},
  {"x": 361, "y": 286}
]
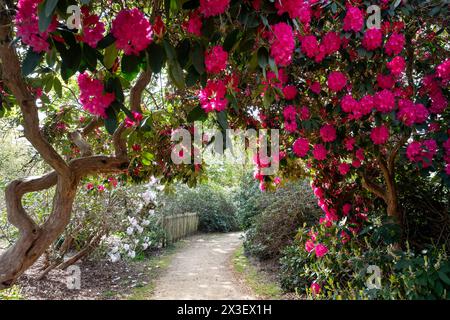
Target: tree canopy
[{"x": 356, "y": 88}]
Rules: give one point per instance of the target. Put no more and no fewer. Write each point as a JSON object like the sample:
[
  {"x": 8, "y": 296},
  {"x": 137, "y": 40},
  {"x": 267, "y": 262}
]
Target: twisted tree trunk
[{"x": 35, "y": 239}]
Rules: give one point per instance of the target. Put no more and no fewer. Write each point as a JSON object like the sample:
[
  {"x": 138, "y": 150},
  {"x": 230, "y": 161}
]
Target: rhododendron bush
[{"x": 351, "y": 98}]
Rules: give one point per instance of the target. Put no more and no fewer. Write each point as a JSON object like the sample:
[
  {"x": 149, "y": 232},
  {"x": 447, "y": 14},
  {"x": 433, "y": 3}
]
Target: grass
[
  {"x": 156, "y": 265},
  {"x": 12, "y": 293},
  {"x": 254, "y": 278}
]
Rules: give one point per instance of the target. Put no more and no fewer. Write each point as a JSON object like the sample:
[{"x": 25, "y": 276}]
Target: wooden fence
[{"x": 179, "y": 226}]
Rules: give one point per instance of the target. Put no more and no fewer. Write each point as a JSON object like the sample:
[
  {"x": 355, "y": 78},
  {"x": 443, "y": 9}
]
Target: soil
[{"x": 203, "y": 271}]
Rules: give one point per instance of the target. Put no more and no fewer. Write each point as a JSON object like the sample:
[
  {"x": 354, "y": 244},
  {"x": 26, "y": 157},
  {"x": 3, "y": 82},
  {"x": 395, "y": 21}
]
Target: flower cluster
[
  {"x": 216, "y": 59},
  {"x": 132, "y": 30},
  {"x": 212, "y": 97},
  {"x": 282, "y": 44},
  {"x": 422, "y": 151},
  {"x": 211, "y": 8},
  {"x": 27, "y": 24},
  {"x": 296, "y": 9},
  {"x": 354, "y": 20},
  {"x": 92, "y": 95},
  {"x": 373, "y": 39},
  {"x": 290, "y": 118},
  {"x": 92, "y": 28},
  {"x": 194, "y": 24}
]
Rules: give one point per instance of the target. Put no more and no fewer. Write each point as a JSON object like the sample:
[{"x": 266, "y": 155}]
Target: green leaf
[
  {"x": 263, "y": 57},
  {"x": 58, "y": 87},
  {"x": 222, "y": 118},
  {"x": 198, "y": 58},
  {"x": 176, "y": 74},
  {"x": 106, "y": 42},
  {"x": 44, "y": 20},
  {"x": 111, "y": 121},
  {"x": 170, "y": 50},
  {"x": 31, "y": 61},
  {"x": 197, "y": 114},
  {"x": 90, "y": 57},
  {"x": 183, "y": 50},
  {"x": 111, "y": 54},
  {"x": 230, "y": 40},
  {"x": 50, "y": 6},
  {"x": 130, "y": 66},
  {"x": 444, "y": 277},
  {"x": 115, "y": 86},
  {"x": 156, "y": 57}
]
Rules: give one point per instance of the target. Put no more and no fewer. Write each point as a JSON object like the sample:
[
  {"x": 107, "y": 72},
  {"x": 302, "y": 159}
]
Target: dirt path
[{"x": 202, "y": 271}]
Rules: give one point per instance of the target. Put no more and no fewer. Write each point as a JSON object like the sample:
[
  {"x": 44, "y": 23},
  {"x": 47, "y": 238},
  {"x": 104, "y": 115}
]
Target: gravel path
[{"x": 203, "y": 271}]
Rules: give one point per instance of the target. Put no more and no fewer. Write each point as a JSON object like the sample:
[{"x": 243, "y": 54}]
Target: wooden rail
[{"x": 179, "y": 226}]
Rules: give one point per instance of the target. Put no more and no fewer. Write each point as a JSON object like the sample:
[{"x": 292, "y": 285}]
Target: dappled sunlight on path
[{"x": 202, "y": 271}]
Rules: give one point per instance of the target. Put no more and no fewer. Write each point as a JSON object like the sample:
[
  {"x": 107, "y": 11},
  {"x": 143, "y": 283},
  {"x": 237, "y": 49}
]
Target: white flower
[
  {"x": 114, "y": 257},
  {"x": 146, "y": 223},
  {"x": 115, "y": 249},
  {"x": 126, "y": 247},
  {"x": 145, "y": 246},
  {"x": 132, "y": 254},
  {"x": 130, "y": 231},
  {"x": 151, "y": 212},
  {"x": 139, "y": 229}
]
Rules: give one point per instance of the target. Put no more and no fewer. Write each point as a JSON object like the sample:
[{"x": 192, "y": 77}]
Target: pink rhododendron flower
[
  {"x": 92, "y": 28},
  {"x": 310, "y": 46},
  {"x": 216, "y": 59},
  {"x": 315, "y": 288},
  {"x": 346, "y": 209},
  {"x": 344, "y": 168},
  {"x": 305, "y": 114},
  {"x": 315, "y": 87},
  {"x": 423, "y": 152},
  {"x": 349, "y": 104},
  {"x": 443, "y": 70},
  {"x": 380, "y": 135},
  {"x": 349, "y": 143},
  {"x": 309, "y": 246},
  {"x": 354, "y": 20},
  {"x": 384, "y": 101},
  {"x": 290, "y": 118},
  {"x": 366, "y": 105},
  {"x": 385, "y": 81},
  {"x": 211, "y": 8},
  {"x": 397, "y": 65},
  {"x": 410, "y": 113},
  {"x": 336, "y": 81},
  {"x": 212, "y": 97},
  {"x": 295, "y": 8},
  {"x": 320, "y": 152},
  {"x": 372, "y": 39},
  {"x": 194, "y": 24},
  {"x": 331, "y": 42},
  {"x": 92, "y": 95},
  {"x": 159, "y": 28},
  {"x": 321, "y": 250},
  {"x": 328, "y": 133},
  {"x": 360, "y": 154},
  {"x": 132, "y": 30},
  {"x": 282, "y": 44},
  {"x": 395, "y": 44},
  {"x": 301, "y": 147},
  {"x": 290, "y": 92},
  {"x": 27, "y": 24}
]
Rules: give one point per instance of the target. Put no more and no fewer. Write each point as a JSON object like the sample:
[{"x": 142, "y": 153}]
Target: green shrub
[
  {"x": 342, "y": 272},
  {"x": 283, "y": 212},
  {"x": 248, "y": 201},
  {"x": 216, "y": 211}
]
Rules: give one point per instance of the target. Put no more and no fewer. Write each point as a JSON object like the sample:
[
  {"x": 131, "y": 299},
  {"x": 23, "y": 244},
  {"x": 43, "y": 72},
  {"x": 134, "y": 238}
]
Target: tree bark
[{"x": 35, "y": 239}]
